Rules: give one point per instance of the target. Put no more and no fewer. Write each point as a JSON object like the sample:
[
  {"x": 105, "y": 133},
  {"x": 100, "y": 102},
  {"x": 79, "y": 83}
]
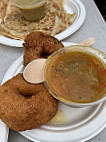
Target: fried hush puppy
[
  {"x": 24, "y": 106},
  {"x": 39, "y": 45}
]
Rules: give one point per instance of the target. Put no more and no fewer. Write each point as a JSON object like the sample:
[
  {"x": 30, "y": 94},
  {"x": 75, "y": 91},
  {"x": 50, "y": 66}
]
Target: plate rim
[
  {"x": 29, "y": 137},
  {"x": 5, "y": 132},
  {"x": 60, "y": 36}
]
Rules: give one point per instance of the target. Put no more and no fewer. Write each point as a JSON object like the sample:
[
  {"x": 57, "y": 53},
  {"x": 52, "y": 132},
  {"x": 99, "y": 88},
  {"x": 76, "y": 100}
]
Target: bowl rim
[
  {"x": 29, "y": 6},
  {"x": 100, "y": 56}
]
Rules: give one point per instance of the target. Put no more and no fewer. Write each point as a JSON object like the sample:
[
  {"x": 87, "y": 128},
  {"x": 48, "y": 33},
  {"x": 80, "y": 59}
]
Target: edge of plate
[
  {"x": 74, "y": 27},
  {"x": 29, "y": 136},
  {"x": 4, "y": 133}
]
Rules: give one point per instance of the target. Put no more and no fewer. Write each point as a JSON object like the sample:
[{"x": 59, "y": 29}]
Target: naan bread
[{"x": 55, "y": 21}]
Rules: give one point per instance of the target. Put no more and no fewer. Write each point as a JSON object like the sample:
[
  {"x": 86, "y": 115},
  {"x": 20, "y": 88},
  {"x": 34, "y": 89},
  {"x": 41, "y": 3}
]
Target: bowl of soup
[
  {"x": 76, "y": 75},
  {"x": 32, "y": 10}
]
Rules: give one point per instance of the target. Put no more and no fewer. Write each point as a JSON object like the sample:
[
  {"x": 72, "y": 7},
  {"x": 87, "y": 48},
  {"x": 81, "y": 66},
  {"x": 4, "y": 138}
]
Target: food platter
[
  {"x": 71, "y": 6},
  {"x": 85, "y": 123}
]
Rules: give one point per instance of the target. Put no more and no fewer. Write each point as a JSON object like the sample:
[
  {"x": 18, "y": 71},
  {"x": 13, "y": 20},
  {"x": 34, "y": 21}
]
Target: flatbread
[{"x": 55, "y": 21}]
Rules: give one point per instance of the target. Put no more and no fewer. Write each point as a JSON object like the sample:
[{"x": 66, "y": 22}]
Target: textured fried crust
[
  {"x": 39, "y": 45},
  {"x": 24, "y": 106}
]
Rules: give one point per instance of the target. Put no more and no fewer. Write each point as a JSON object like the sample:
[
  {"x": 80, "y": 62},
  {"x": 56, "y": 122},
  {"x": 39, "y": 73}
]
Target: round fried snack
[
  {"x": 25, "y": 106},
  {"x": 39, "y": 45}
]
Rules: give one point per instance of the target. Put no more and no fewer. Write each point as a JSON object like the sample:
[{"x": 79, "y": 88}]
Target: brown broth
[
  {"x": 77, "y": 76},
  {"x": 32, "y": 10}
]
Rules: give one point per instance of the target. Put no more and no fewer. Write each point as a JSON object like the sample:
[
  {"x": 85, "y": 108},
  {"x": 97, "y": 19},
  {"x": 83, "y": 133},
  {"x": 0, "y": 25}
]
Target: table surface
[{"x": 94, "y": 26}]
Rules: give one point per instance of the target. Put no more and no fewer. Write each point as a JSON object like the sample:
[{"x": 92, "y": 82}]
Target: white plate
[
  {"x": 82, "y": 123},
  {"x": 3, "y": 132},
  {"x": 71, "y": 6}
]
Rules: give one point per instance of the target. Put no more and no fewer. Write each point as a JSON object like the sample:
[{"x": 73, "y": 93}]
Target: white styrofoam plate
[
  {"x": 3, "y": 132},
  {"x": 71, "y": 6},
  {"x": 82, "y": 123}
]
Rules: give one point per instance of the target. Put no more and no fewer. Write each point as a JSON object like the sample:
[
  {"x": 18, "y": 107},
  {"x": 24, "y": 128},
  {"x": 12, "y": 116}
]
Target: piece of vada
[
  {"x": 39, "y": 45},
  {"x": 24, "y": 106}
]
